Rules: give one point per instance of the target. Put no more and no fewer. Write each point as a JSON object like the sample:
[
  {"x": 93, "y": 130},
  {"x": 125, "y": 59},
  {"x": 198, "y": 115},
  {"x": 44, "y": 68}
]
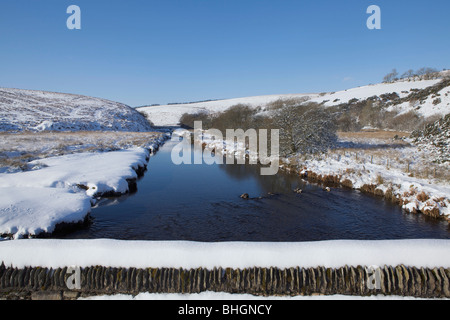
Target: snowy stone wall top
[{"x": 191, "y": 255}]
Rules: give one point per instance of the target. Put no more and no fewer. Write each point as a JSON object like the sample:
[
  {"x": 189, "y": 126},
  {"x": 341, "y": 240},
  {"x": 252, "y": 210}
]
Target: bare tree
[
  {"x": 305, "y": 129},
  {"x": 408, "y": 74},
  {"x": 239, "y": 116},
  {"x": 427, "y": 73},
  {"x": 390, "y": 77}
]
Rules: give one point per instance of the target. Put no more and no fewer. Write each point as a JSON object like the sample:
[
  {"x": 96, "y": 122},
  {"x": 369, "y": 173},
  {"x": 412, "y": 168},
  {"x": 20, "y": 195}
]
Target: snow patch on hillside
[
  {"x": 402, "y": 88},
  {"x": 433, "y": 105}
]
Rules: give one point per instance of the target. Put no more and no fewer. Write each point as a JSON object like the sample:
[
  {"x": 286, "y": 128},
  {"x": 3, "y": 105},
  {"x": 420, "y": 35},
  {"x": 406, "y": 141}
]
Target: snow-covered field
[
  {"x": 27, "y": 110},
  {"x": 191, "y": 255},
  {"x": 169, "y": 115},
  {"x": 17, "y": 150}
]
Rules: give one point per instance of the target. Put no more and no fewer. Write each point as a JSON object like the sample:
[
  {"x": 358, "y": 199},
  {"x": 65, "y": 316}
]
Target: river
[{"x": 202, "y": 203}]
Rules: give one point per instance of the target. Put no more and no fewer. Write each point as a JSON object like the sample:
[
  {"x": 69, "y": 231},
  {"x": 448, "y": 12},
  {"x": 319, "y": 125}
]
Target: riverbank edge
[
  {"x": 337, "y": 181},
  {"x": 65, "y": 227},
  {"x": 431, "y": 208}
]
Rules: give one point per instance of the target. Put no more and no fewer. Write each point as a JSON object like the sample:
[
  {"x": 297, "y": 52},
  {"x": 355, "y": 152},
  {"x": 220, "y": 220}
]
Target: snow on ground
[
  {"x": 403, "y": 88},
  {"x": 403, "y": 170},
  {"x": 401, "y": 185},
  {"x": 169, "y": 115},
  {"x": 26, "y": 211},
  {"x": 37, "y": 200},
  {"x": 17, "y": 150},
  {"x": 101, "y": 172},
  {"x": 434, "y": 104},
  {"x": 28, "y": 110},
  {"x": 220, "y": 296},
  {"x": 191, "y": 255}
]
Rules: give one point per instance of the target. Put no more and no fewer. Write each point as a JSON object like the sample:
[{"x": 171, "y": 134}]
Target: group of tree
[
  {"x": 307, "y": 127},
  {"x": 422, "y": 74},
  {"x": 304, "y": 128}
]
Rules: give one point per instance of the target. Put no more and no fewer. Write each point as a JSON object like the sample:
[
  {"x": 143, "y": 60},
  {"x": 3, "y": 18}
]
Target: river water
[{"x": 202, "y": 203}]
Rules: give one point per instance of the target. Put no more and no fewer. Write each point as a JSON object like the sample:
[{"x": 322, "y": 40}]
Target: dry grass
[
  {"x": 379, "y": 148},
  {"x": 372, "y": 134},
  {"x": 410, "y": 161},
  {"x": 422, "y": 197},
  {"x": 380, "y": 180},
  {"x": 18, "y": 149}
]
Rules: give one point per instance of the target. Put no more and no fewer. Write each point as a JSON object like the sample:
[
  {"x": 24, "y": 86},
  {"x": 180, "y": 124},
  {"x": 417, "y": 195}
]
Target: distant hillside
[
  {"x": 426, "y": 97},
  {"x": 27, "y": 110}
]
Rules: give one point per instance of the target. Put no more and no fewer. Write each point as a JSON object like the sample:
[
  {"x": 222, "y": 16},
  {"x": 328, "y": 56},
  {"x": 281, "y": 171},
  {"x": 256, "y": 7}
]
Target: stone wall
[{"x": 42, "y": 283}]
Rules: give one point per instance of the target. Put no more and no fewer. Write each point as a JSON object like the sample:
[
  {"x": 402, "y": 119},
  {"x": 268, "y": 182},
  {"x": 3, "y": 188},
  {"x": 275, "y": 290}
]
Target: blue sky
[{"x": 142, "y": 52}]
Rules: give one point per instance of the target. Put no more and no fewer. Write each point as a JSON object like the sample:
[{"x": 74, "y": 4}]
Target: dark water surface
[{"x": 202, "y": 203}]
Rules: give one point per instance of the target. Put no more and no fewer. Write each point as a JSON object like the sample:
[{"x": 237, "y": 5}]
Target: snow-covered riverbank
[
  {"x": 61, "y": 189},
  {"x": 378, "y": 176},
  {"x": 395, "y": 170},
  {"x": 18, "y": 149}
]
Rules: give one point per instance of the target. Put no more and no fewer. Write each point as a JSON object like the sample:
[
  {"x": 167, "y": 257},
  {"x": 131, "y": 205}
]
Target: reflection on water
[
  {"x": 280, "y": 183},
  {"x": 202, "y": 203}
]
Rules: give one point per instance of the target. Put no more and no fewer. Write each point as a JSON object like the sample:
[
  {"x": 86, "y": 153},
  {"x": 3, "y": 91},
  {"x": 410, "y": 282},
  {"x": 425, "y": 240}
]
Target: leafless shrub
[
  {"x": 16, "y": 150},
  {"x": 281, "y": 103},
  {"x": 390, "y": 77},
  {"x": 187, "y": 120},
  {"x": 408, "y": 121}
]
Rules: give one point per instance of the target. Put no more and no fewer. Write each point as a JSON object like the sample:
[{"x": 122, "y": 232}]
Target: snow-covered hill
[
  {"x": 169, "y": 115},
  {"x": 27, "y": 110},
  {"x": 433, "y": 104}
]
